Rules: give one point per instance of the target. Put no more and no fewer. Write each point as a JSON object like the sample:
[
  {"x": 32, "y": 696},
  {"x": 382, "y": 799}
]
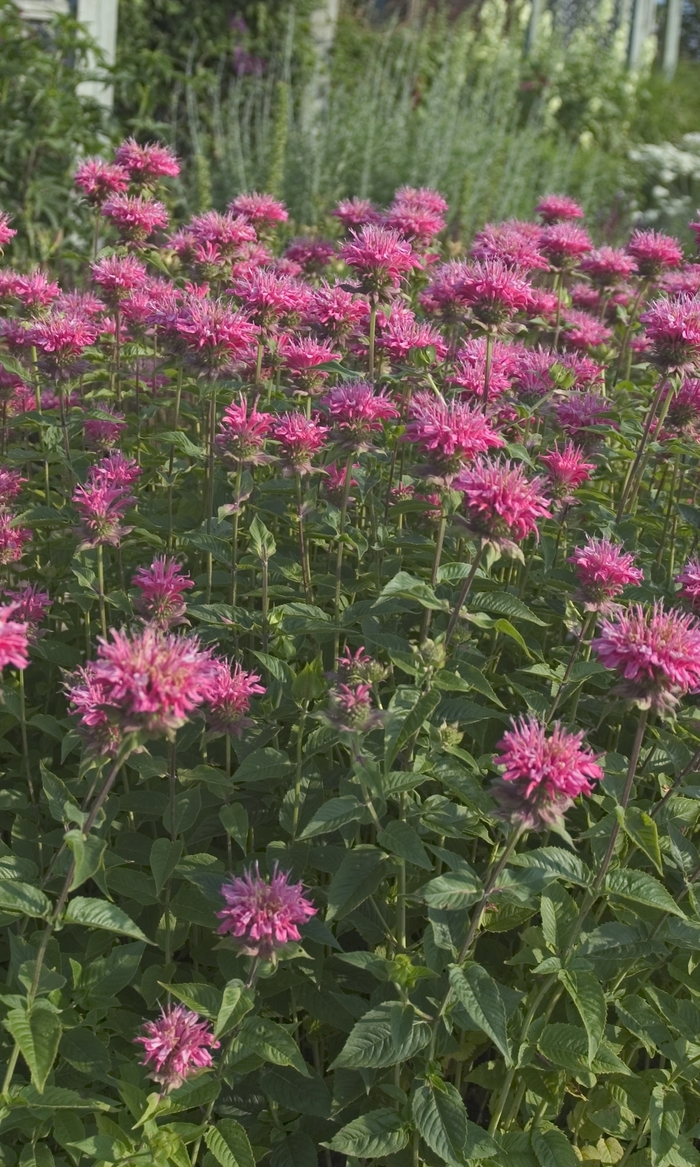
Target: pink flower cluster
[
  {"x": 176, "y": 1046},
  {"x": 543, "y": 772},
  {"x": 655, "y": 652},
  {"x": 262, "y": 915}
]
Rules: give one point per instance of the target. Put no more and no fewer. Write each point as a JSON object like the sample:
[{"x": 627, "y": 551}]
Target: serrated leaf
[
  {"x": 371, "y": 1044},
  {"x": 37, "y": 1031},
  {"x": 567, "y": 1045},
  {"x": 24, "y": 899},
  {"x": 505, "y": 604},
  {"x": 164, "y": 858},
  {"x": 201, "y": 998},
  {"x": 453, "y": 891},
  {"x": 93, "y": 913},
  {"x": 478, "y": 994},
  {"x": 360, "y": 873},
  {"x": 589, "y": 999},
  {"x": 88, "y": 855},
  {"x": 229, "y": 1144},
  {"x": 405, "y": 719},
  {"x": 642, "y": 830},
  {"x": 407, "y": 587},
  {"x": 270, "y": 1041},
  {"x": 556, "y": 861},
  {"x": 441, "y": 1120},
  {"x": 642, "y": 888},
  {"x": 236, "y": 1001},
  {"x": 234, "y": 819},
  {"x": 553, "y": 1149},
  {"x": 285, "y": 1086},
  {"x": 666, "y": 1110},
  {"x": 403, "y": 840},
  {"x": 333, "y": 814},
  {"x": 380, "y": 1132}
]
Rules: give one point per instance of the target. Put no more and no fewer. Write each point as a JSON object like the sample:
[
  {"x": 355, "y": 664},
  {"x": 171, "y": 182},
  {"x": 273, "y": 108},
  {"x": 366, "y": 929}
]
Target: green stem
[
  {"x": 487, "y": 366},
  {"x": 630, "y": 481},
  {"x": 439, "y": 543},
  {"x": 297, "y": 775},
  {"x": 171, "y": 459},
  {"x": 372, "y": 334},
  {"x": 101, "y": 589},
  {"x": 586, "y": 629},
  {"x": 303, "y": 554},
  {"x": 466, "y": 588},
  {"x": 341, "y": 531},
  {"x": 25, "y": 741},
  {"x": 234, "y": 536}
]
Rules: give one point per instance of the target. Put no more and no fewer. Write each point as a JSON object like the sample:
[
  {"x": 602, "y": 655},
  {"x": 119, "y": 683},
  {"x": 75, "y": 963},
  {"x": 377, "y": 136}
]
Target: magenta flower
[
  {"x": 557, "y": 208},
  {"x": 606, "y": 266},
  {"x": 162, "y": 587},
  {"x": 400, "y": 334},
  {"x": 416, "y": 223},
  {"x": 102, "y": 507},
  {"x": 656, "y": 654},
  {"x": 263, "y": 915},
  {"x": 470, "y": 368},
  {"x": 502, "y": 504},
  {"x": 351, "y": 709},
  {"x": 542, "y": 304},
  {"x": 582, "y": 331},
  {"x": 684, "y": 408},
  {"x": 359, "y": 667},
  {"x": 357, "y": 411},
  {"x": 493, "y": 291},
  {"x": 448, "y": 435},
  {"x": 689, "y": 580},
  {"x": 673, "y": 329},
  {"x": 542, "y": 773},
  {"x": 300, "y": 438},
  {"x": 134, "y": 216},
  {"x": 567, "y": 469},
  {"x": 577, "y": 413},
  {"x": 63, "y": 339},
  {"x": 355, "y": 212},
  {"x": 228, "y": 232},
  {"x": 334, "y": 481},
  {"x": 36, "y": 290},
  {"x": 532, "y": 379},
  {"x": 98, "y": 180},
  {"x": 30, "y": 606},
  {"x": 422, "y": 198},
  {"x": 14, "y": 641},
  {"x": 685, "y": 282},
  {"x": 654, "y": 252},
  {"x": 311, "y": 254},
  {"x": 260, "y": 209},
  {"x": 147, "y": 163},
  {"x": 115, "y": 470},
  {"x": 11, "y": 482},
  {"x": 176, "y": 1046},
  {"x": 513, "y": 243},
  {"x": 380, "y": 257},
  {"x": 214, "y": 334},
  {"x": 603, "y": 570},
  {"x": 242, "y": 433},
  {"x": 303, "y": 358},
  {"x": 118, "y": 275},
  {"x": 586, "y": 297},
  {"x": 564, "y": 244},
  {"x": 443, "y": 295},
  {"x": 146, "y": 683},
  {"x": 334, "y": 311},
  {"x": 12, "y": 539},
  {"x": 269, "y": 297},
  {"x": 230, "y": 697},
  {"x": 6, "y": 231}
]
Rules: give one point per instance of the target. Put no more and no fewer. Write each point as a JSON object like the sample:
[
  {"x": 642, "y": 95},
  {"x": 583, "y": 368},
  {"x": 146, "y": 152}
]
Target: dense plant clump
[{"x": 349, "y": 721}]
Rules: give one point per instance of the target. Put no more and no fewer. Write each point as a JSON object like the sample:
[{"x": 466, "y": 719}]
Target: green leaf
[
  {"x": 236, "y": 1001},
  {"x": 589, "y": 999},
  {"x": 642, "y": 830},
  {"x": 478, "y": 994},
  {"x": 359, "y": 874},
  {"x": 294, "y": 1149},
  {"x": 210, "y": 545},
  {"x": 407, "y": 587},
  {"x": 371, "y": 1042},
  {"x": 666, "y": 1110},
  {"x": 36, "y": 1155},
  {"x": 403, "y": 840},
  {"x": 88, "y": 855},
  {"x": 453, "y": 891},
  {"x": 229, "y": 1144},
  {"x": 556, "y": 861},
  {"x": 471, "y": 678},
  {"x": 408, "y": 710},
  {"x": 234, "y": 819},
  {"x": 264, "y": 765},
  {"x": 289, "y": 1089},
  {"x": 263, "y": 541},
  {"x": 505, "y": 604},
  {"x": 441, "y": 1120},
  {"x": 506, "y": 628},
  {"x": 270, "y": 1041},
  {"x": 165, "y": 856},
  {"x": 62, "y": 805},
  {"x": 553, "y": 1149},
  {"x": 22, "y": 898},
  {"x": 37, "y": 1032},
  {"x": 380, "y": 1132},
  {"x": 642, "y": 889},
  {"x": 567, "y": 1046},
  {"x": 202, "y": 998},
  {"x": 333, "y": 814},
  {"x": 82, "y": 1049},
  {"x": 94, "y": 913}
]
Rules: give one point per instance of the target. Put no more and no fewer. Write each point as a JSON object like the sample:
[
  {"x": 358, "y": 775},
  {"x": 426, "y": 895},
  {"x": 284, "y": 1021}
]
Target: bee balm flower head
[
  {"x": 542, "y": 773},
  {"x": 263, "y": 915},
  {"x": 656, "y": 654},
  {"x": 603, "y": 570},
  {"x": 176, "y": 1046}
]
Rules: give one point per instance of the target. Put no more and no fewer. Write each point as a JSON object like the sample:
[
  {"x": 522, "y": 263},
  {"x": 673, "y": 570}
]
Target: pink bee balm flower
[
  {"x": 449, "y": 435},
  {"x": 262, "y": 914},
  {"x": 470, "y": 367},
  {"x": 230, "y": 697},
  {"x": 115, "y": 470},
  {"x": 351, "y": 709},
  {"x": 269, "y": 297},
  {"x": 227, "y": 232},
  {"x": 242, "y": 434},
  {"x": 12, "y": 539},
  {"x": 260, "y": 209},
  {"x": 357, "y": 411},
  {"x": 30, "y": 606},
  {"x": 502, "y": 504},
  {"x": 684, "y": 408},
  {"x": 542, "y": 773},
  {"x": 334, "y": 481},
  {"x": 334, "y": 311},
  {"x": 302, "y": 359},
  {"x": 311, "y": 254},
  {"x": 401, "y": 334},
  {"x": 162, "y": 588},
  {"x": 147, "y": 683},
  {"x": 359, "y": 666},
  {"x": 532, "y": 379},
  {"x": 62, "y": 339},
  {"x": 493, "y": 291},
  {"x": 608, "y": 265},
  {"x": 10, "y": 484},
  {"x": 603, "y": 570},
  {"x": 380, "y": 256},
  {"x": 557, "y": 208},
  {"x": 101, "y": 508},
  {"x": 689, "y": 580},
  {"x": 543, "y": 304},
  {"x": 146, "y": 163},
  {"x": 356, "y": 213},
  {"x": 421, "y": 198},
  {"x": 654, "y": 252},
  {"x": 36, "y": 290},
  {"x": 655, "y": 652},
  {"x": 417, "y": 223},
  {"x": 564, "y": 244},
  {"x": 134, "y": 216},
  {"x": 98, "y": 180},
  {"x": 567, "y": 469},
  {"x": 514, "y": 244},
  {"x": 685, "y": 282},
  {"x": 582, "y": 331},
  {"x": 579, "y": 412},
  {"x": 300, "y": 437},
  {"x": 176, "y": 1046},
  {"x": 118, "y": 275},
  {"x": 13, "y": 638},
  {"x": 6, "y": 231},
  {"x": 586, "y": 297},
  {"x": 215, "y": 334},
  {"x": 673, "y": 329}
]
